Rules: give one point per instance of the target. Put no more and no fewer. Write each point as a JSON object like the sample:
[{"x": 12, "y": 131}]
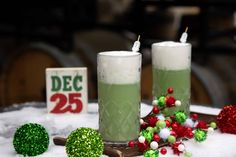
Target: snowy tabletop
[{"x": 216, "y": 145}]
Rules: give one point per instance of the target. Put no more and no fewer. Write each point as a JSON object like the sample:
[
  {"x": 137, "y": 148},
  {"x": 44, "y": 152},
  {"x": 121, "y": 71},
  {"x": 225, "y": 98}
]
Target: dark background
[{"x": 39, "y": 34}]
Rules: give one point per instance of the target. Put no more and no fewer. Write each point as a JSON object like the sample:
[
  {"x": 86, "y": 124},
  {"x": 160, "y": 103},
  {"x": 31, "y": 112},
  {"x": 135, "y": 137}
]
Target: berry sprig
[{"x": 158, "y": 130}]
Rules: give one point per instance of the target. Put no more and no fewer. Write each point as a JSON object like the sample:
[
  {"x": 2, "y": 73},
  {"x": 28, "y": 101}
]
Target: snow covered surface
[{"x": 216, "y": 145}]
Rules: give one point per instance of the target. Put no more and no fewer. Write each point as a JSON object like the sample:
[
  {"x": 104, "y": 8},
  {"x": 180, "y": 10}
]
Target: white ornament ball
[
  {"x": 141, "y": 139},
  {"x": 164, "y": 133},
  {"x": 210, "y": 130},
  {"x": 154, "y": 145},
  {"x": 189, "y": 123},
  {"x": 154, "y": 102},
  {"x": 160, "y": 117},
  {"x": 141, "y": 121},
  {"x": 181, "y": 147},
  {"x": 177, "y": 103}
]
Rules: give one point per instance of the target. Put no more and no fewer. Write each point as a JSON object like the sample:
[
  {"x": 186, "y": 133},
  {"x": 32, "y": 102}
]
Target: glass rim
[
  {"x": 119, "y": 53},
  {"x": 177, "y": 44}
]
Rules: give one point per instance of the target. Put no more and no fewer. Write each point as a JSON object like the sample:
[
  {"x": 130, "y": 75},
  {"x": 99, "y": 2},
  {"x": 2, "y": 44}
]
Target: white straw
[
  {"x": 136, "y": 45},
  {"x": 184, "y": 36}
]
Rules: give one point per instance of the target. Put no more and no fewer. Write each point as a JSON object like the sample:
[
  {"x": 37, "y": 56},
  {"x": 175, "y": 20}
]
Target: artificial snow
[{"x": 216, "y": 145}]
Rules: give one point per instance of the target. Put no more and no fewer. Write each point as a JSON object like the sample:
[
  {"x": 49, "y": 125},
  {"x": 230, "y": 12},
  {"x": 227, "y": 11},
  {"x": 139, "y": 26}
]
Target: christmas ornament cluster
[{"x": 157, "y": 129}]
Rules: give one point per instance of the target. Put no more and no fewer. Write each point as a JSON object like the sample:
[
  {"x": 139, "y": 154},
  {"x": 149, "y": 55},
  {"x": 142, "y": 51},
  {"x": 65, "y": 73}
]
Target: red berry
[
  {"x": 190, "y": 135},
  {"x": 202, "y": 125},
  {"x": 167, "y": 123},
  {"x": 174, "y": 126},
  {"x": 175, "y": 148},
  {"x": 189, "y": 129},
  {"x": 143, "y": 146},
  {"x": 170, "y": 90},
  {"x": 156, "y": 137},
  {"x": 163, "y": 151},
  {"x": 194, "y": 116},
  {"x": 131, "y": 144},
  {"x": 173, "y": 133},
  {"x": 170, "y": 101},
  {"x": 155, "y": 109},
  {"x": 152, "y": 121},
  {"x": 144, "y": 125}
]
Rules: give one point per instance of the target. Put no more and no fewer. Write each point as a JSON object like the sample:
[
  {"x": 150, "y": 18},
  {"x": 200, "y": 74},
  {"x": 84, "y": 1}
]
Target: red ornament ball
[
  {"x": 170, "y": 101},
  {"x": 202, "y": 125},
  {"x": 167, "y": 123},
  {"x": 170, "y": 90},
  {"x": 189, "y": 135},
  {"x": 181, "y": 131},
  {"x": 173, "y": 133},
  {"x": 156, "y": 137},
  {"x": 226, "y": 120},
  {"x": 131, "y": 144},
  {"x": 155, "y": 109},
  {"x": 152, "y": 121},
  {"x": 175, "y": 125},
  {"x": 144, "y": 125},
  {"x": 194, "y": 116},
  {"x": 163, "y": 151},
  {"x": 143, "y": 146},
  {"x": 175, "y": 148}
]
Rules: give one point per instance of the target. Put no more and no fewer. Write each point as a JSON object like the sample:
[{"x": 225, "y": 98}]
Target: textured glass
[{"x": 179, "y": 80}]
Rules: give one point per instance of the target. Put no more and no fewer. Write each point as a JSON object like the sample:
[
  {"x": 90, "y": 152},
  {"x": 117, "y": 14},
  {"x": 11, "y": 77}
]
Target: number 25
[{"x": 62, "y": 107}]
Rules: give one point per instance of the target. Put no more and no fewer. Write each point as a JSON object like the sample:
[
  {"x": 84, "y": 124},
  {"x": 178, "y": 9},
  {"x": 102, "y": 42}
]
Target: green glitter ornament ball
[
  {"x": 31, "y": 139},
  {"x": 200, "y": 135},
  {"x": 180, "y": 117},
  {"x": 147, "y": 134},
  {"x": 151, "y": 153},
  {"x": 84, "y": 142}
]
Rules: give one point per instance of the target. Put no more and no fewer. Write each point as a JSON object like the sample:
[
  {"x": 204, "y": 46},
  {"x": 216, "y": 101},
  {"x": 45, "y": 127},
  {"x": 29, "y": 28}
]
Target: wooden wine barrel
[
  {"x": 225, "y": 67},
  {"x": 90, "y": 42},
  {"x": 206, "y": 87},
  {"x": 23, "y": 76}
]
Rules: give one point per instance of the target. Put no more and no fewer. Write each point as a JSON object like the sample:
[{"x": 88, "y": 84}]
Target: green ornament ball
[
  {"x": 150, "y": 129},
  {"x": 148, "y": 135},
  {"x": 161, "y": 124},
  {"x": 213, "y": 125},
  {"x": 180, "y": 117},
  {"x": 84, "y": 142},
  {"x": 200, "y": 135},
  {"x": 171, "y": 139},
  {"x": 151, "y": 153},
  {"x": 165, "y": 111},
  {"x": 156, "y": 129},
  {"x": 188, "y": 154},
  {"x": 31, "y": 139},
  {"x": 161, "y": 101}
]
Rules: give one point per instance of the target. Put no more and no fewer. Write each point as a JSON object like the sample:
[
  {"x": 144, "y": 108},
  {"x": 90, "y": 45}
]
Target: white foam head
[
  {"x": 171, "y": 55},
  {"x": 119, "y": 67}
]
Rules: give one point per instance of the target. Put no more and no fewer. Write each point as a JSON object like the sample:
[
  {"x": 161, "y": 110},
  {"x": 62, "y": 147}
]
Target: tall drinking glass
[
  {"x": 119, "y": 95},
  {"x": 171, "y": 62}
]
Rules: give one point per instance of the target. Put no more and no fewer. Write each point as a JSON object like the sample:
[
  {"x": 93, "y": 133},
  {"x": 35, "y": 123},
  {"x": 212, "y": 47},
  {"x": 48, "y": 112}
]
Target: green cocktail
[
  {"x": 179, "y": 80},
  {"x": 172, "y": 68},
  {"x": 119, "y": 95},
  {"x": 119, "y": 111}
]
